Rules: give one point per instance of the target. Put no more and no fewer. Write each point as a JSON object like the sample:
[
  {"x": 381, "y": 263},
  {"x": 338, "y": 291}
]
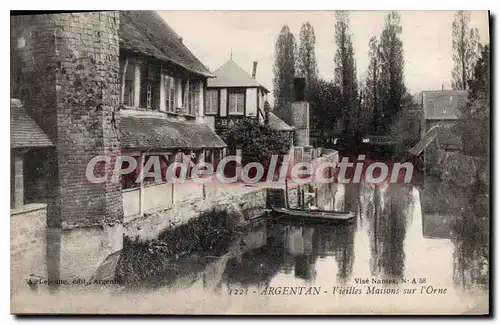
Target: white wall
[
  {"x": 251, "y": 102},
  {"x": 223, "y": 102}
]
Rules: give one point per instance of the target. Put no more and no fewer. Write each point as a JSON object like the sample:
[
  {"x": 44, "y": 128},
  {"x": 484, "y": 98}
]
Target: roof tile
[
  {"x": 138, "y": 132},
  {"x": 232, "y": 75},
  {"x": 145, "y": 32},
  {"x": 24, "y": 132}
]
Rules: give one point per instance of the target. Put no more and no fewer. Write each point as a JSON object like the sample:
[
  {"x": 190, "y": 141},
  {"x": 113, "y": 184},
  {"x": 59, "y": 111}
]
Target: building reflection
[{"x": 388, "y": 220}]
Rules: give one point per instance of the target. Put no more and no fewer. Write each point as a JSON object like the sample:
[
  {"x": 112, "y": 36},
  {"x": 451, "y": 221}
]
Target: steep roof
[
  {"x": 232, "y": 75},
  {"x": 24, "y": 132},
  {"x": 147, "y": 132},
  {"x": 442, "y": 104},
  {"x": 278, "y": 124},
  {"x": 146, "y": 33}
]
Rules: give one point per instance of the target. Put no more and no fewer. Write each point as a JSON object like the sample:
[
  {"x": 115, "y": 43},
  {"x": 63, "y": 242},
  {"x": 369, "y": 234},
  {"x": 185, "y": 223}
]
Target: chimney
[
  {"x": 442, "y": 86},
  {"x": 180, "y": 39},
  {"x": 254, "y": 71}
]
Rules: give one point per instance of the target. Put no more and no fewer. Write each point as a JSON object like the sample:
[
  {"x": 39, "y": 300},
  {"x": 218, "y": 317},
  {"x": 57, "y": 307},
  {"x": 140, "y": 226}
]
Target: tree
[
  {"x": 473, "y": 121},
  {"x": 307, "y": 66},
  {"x": 325, "y": 108},
  {"x": 467, "y": 178},
  {"x": 345, "y": 70},
  {"x": 372, "y": 85},
  {"x": 284, "y": 74},
  {"x": 392, "y": 87},
  {"x": 465, "y": 50}
]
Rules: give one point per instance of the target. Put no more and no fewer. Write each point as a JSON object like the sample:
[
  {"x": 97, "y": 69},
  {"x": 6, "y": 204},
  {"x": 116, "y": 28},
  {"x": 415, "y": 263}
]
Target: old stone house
[
  {"x": 100, "y": 84},
  {"x": 440, "y": 110}
]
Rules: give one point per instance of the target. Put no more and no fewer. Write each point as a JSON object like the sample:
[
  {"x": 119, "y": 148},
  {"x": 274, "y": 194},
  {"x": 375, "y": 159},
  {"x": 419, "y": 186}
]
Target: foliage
[
  {"x": 307, "y": 65},
  {"x": 325, "y": 107},
  {"x": 258, "y": 142},
  {"x": 154, "y": 263},
  {"x": 393, "y": 89},
  {"x": 284, "y": 73},
  {"x": 466, "y": 180},
  {"x": 371, "y": 89},
  {"x": 473, "y": 122},
  {"x": 405, "y": 131},
  {"x": 465, "y": 50},
  {"x": 345, "y": 70}
]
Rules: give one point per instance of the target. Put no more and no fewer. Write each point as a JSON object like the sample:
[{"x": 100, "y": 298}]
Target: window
[
  {"x": 169, "y": 93},
  {"x": 191, "y": 96},
  {"x": 211, "y": 101},
  {"x": 149, "y": 87},
  {"x": 236, "y": 101},
  {"x": 129, "y": 91}
]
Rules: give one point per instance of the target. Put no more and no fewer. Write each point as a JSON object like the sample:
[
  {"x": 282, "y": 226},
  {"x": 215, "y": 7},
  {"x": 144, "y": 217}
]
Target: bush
[
  {"x": 155, "y": 262},
  {"x": 258, "y": 142}
]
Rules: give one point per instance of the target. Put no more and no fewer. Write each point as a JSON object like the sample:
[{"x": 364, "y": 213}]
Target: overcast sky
[{"x": 251, "y": 35}]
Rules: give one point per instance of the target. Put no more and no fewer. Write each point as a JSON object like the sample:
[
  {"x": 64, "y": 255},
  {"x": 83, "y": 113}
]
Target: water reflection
[{"x": 386, "y": 242}]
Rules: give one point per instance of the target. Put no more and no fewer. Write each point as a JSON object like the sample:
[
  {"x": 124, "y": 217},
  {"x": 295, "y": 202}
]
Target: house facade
[
  {"x": 120, "y": 83},
  {"x": 99, "y": 84},
  {"x": 233, "y": 94},
  {"x": 440, "y": 109}
]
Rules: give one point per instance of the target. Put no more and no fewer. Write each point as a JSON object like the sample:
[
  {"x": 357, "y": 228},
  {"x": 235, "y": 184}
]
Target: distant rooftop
[
  {"x": 442, "y": 104},
  {"x": 232, "y": 75}
]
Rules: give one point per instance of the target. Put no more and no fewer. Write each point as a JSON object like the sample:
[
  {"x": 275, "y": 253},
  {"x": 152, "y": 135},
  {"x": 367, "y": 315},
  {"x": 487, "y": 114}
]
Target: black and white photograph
[{"x": 233, "y": 162}]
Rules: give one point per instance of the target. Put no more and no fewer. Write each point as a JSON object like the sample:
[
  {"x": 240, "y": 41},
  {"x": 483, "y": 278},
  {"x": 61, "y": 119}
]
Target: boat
[{"x": 316, "y": 215}]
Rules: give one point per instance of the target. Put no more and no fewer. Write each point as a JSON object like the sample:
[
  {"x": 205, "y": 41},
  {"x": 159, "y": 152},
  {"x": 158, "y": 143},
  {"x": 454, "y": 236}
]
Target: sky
[{"x": 251, "y": 35}]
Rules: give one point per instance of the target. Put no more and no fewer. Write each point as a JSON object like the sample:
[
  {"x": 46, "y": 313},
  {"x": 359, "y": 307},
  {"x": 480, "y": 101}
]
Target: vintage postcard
[{"x": 250, "y": 162}]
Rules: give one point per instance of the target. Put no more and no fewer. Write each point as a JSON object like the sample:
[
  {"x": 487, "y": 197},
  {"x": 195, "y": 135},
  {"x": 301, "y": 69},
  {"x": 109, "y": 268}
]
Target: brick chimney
[{"x": 254, "y": 71}]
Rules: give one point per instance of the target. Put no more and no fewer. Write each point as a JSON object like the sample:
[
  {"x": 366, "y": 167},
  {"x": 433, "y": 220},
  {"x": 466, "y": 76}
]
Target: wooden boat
[{"x": 316, "y": 215}]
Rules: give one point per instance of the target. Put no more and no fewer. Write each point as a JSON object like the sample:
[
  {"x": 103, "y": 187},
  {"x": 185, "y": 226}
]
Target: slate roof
[
  {"x": 278, "y": 124},
  {"x": 24, "y": 132},
  {"x": 146, "y": 33},
  {"x": 138, "y": 132},
  {"x": 232, "y": 75},
  {"x": 442, "y": 104}
]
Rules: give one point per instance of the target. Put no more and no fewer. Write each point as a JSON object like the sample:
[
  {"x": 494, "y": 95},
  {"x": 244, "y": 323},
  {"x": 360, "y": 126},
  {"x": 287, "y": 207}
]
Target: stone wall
[
  {"x": 247, "y": 202},
  {"x": 69, "y": 65},
  {"x": 27, "y": 244},
  {"x": 300, "y": 120}
]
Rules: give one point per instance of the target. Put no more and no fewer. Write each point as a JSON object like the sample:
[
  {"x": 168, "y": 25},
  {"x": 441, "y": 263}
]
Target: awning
[
  {"x": 24, "y": 132},
  {"x": 440, "y": 133},
  {"x": 138, "y": 132},
  {"x": 278, "y": 124}
]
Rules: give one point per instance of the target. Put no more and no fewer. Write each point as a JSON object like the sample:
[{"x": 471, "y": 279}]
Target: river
[
  {"x": 388, "y": 261},
  {"x": 392, "y": 260}
]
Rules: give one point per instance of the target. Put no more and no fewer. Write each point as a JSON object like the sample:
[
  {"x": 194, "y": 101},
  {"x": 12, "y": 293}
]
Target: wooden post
[
  {"x": 141, "y": 189},
  {"x": 173, "y": 193},
  {"x": 299, "y": 199},
  {"x": 124, "y": 77},
  {"x": 18, "y": 180},
  {"x": 287, "y": 204},
  {"x": 137, "y": 85}
]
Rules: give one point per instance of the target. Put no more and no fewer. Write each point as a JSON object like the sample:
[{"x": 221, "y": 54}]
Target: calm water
[
  {"x": 288, "y": 266},
  {"x": 411, "y": 264}
]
